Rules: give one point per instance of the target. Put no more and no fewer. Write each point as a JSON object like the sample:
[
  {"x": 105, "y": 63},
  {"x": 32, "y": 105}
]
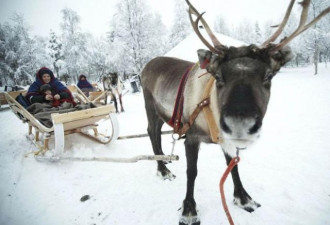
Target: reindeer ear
[
  {"x": 281, "y": 57},
  {"x": 204, "y": 57},
  {"x": 210, "y": 61}
]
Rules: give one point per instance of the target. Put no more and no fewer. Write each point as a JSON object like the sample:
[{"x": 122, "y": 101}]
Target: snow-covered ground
[{"x": 287, "y": 170}]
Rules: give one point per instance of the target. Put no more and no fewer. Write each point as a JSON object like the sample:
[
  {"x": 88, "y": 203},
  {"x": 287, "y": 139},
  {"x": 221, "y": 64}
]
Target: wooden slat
[
  {"x": 3, "y": 99},
  {"x": 72, "y": 88},
  {"x": 76, "y": 92},
  {"x": 18, "y": 108},
  {"x": 83, "y": 114},
  {"x": 97, "y": 97},
  {"x": 95, "y": 85},
  {"x": 82, "y": 123},
  {"x": 95, "y": 94},
  {"x": 14, "y": 94}
]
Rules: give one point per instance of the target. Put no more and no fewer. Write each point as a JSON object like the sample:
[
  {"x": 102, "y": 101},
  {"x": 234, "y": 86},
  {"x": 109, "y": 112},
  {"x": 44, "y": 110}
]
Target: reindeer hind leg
[{"x": 154, "y": 130}]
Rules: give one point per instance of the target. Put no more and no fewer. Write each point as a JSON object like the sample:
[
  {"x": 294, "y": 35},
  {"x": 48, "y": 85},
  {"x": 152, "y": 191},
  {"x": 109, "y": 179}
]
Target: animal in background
[{"x": 113, "y": 84}]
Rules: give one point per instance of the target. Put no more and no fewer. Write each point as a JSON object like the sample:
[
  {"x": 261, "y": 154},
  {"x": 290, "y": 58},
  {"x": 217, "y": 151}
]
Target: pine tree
[{"x": 55, "y": 51}]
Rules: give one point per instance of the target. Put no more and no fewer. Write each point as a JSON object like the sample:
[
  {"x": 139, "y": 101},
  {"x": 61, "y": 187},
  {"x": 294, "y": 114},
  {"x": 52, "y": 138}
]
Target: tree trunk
[
  {"x": 56, "y": 69},
  {"x": 316, "y": 58}
]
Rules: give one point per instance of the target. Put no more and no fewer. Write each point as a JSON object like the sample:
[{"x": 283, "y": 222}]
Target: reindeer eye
[
  {"x": 268, "y": 77},
  {"x": 267, "y": 80},
  {"x": 220, "y": 82}
]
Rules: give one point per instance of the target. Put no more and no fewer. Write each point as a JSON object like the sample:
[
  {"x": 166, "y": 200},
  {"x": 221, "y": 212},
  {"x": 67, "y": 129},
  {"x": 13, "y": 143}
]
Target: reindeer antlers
[
  {"x": 217, "y": 46},
  {"x": 281, "y": 26},
  {"x": 301, "y": 27}
]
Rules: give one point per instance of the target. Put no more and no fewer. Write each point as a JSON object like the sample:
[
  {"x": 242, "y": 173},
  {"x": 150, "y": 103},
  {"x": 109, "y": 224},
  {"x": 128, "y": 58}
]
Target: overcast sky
[{"x": 43, "y": 15}]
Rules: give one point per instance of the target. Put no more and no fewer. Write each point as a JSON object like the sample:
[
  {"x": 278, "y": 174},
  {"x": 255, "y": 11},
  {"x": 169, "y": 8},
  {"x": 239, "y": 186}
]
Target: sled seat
[{"x": 87, "y": 122}]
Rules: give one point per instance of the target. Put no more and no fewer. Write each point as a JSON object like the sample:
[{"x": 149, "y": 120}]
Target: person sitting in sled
[
  {"x": 84, "y": 85},
  {"x": 54, "y": 100},
  {"x": 58, "y": 91}
]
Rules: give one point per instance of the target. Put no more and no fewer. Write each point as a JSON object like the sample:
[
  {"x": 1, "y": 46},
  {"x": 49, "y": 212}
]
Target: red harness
[{"x": 175, "y": 120}]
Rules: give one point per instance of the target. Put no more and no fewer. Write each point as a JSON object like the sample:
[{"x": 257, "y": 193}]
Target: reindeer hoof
[
  {"x": 250, "y": 206},
  {"x": 166, "y": 175},
  {"x": 189, "y": 220},
  {"x": 197, "y": 223}
]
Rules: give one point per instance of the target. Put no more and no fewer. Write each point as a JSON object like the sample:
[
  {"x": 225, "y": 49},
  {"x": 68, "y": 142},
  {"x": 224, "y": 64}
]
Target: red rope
[{"x": 231, "y": 165}]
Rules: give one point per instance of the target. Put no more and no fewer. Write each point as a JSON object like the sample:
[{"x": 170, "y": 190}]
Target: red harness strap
[{"x": 175, "y": 120}]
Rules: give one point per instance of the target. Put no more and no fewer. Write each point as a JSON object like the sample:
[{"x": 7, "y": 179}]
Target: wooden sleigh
[{"x": 87, "y": 122}]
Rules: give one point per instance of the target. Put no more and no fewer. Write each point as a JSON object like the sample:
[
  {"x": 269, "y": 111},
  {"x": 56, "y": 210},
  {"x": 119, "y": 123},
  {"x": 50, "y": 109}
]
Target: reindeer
[
  {"x": 238, "y": 83},
  {"x": 113, "y": 84}
]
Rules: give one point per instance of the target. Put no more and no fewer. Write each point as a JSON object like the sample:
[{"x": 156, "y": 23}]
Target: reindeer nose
[
  {"x": 240, "y": 115},
  {"x": 245, "y": 118},
  {"x": 240, "y": 126},
  {"x": 255, "y": 128}
]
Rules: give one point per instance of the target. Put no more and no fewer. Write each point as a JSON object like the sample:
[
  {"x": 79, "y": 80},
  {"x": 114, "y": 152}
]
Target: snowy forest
[{"x": 135, "y": 36}]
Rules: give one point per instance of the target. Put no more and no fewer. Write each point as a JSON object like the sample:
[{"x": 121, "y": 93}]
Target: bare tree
[
  {"x": 20, "y": 54},
  {"x": 137, "y": 34},
  {"x": 74, "y": 43},
  {"x": 319, "y": 33},
  {"x": 181, "y": 28},
  {"x": 221, "y": 26}
]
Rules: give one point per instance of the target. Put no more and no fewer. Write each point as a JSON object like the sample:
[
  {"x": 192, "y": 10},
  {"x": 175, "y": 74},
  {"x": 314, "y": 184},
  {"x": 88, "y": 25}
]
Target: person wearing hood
[
  {"x": 46, "y": 89},
  {"x": 84, "y": 85},
  {"x": 58, "y": 91}
]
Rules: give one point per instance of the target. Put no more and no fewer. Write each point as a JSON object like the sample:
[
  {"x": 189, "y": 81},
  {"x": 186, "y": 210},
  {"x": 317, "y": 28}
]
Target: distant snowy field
[{"x": 287, "y": 171}]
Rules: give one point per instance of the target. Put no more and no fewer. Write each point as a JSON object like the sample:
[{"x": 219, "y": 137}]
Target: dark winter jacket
[
  {"x": 84, "y": 83},
  {"x": 35, "y": 95}
]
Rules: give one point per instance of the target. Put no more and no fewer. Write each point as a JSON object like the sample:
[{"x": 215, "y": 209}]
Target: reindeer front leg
[
  {"x": 189, "y": 213},
  {"x": 121, "y": 103},
  {"x": 113, "y": 97},
  {"x": 241, "y": 197}
]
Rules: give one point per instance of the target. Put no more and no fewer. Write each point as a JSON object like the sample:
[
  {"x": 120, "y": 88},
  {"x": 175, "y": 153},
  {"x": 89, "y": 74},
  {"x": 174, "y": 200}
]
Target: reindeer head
[
  {"x": 111, "y": 79},
  {"x": 243, "y": 75}
]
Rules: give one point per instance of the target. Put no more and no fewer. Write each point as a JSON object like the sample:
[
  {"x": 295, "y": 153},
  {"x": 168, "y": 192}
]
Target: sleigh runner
[{"x": 99, "y": 124}]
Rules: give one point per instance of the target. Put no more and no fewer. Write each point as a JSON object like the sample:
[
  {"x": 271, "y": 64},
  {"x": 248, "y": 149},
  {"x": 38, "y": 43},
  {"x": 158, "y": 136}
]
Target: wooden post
[
  {"x": 46, "y": 141},
  {"x": 37, "y": 135},
  {"x": 95, "y": 131}
]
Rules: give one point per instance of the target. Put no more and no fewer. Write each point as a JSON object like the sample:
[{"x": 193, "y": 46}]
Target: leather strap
[
  {"x": 213, "y": 128},
  {"x": 205, "y": 106},
  {"x": 193, "y": 117},
  {"x": 175, "y": 120}
]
